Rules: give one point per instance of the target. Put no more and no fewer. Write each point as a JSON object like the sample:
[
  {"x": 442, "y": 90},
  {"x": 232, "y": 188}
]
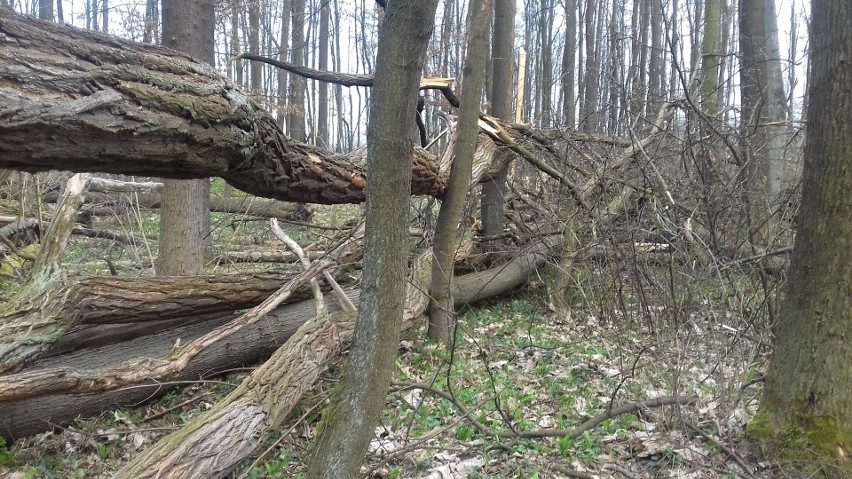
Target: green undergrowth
[{"x": 513, "y": 368}]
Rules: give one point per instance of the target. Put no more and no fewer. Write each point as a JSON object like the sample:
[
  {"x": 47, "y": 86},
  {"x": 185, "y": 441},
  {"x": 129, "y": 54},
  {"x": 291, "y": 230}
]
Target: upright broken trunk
[{"x": 29, "y": 325}]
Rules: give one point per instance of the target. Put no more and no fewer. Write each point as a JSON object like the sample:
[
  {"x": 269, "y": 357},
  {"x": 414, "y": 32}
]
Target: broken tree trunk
[
  {"x": 49, "y": 306},
  {"x": 51, "y": 398},
  {"x": 79, "y": 100},
  {"x": 262, "y": 208},
  {"x": 28, "y": 327},
  {"x": 83, "y": 101},
  {"x": 216, "y": 442}
]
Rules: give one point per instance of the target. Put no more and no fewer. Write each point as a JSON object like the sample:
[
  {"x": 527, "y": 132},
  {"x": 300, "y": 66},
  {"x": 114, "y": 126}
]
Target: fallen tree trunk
[
  {"x": 105, "y": 300},
  {"x": 27, "y": 416},
  {"x": 80, "y": 100},
  {"x": 215, "y": 443},
  {"x": 259, "y": 207},
  {"x": 83, "y": 101},
  {"x": 66, "y": 400}
]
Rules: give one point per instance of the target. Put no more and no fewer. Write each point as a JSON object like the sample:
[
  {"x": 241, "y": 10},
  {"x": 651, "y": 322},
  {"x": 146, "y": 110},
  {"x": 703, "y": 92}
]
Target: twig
[
  {"x": 175, "y": 407},
  {"x": 731, "y": 453},
  {"x": 541, "y": 433},
  {"x": 624, "y": 472}
]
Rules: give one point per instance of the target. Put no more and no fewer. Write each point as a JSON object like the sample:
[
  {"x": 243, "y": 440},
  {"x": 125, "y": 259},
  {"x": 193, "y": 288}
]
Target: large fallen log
[
  {"x": 82, "y": 101},
  {"x": 259, "y": 207},
  {"x": 63, "y": 402}
]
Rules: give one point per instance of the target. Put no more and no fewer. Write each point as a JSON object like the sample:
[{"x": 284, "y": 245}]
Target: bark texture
[
  {"x": 60, "y": 387},
  {"x": 350, "y": 419},
  {"x": 503, "y": 60},
  {"x": 80, "y": 100},
  {"x": 806, "y": 397},
  {"x": 441, "y": 312}
]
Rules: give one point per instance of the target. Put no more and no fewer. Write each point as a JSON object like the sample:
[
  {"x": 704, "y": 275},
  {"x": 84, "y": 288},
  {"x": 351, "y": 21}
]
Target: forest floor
[{"x": 515, "y": 366}]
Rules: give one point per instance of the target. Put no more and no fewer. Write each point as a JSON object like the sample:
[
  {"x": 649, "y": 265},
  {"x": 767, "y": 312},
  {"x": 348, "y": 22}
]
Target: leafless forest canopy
[{"x": 644, "y": 156}]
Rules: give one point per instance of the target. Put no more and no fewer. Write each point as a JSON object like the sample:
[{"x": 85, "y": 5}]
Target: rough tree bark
[
  {"x": 296, "y": 105},
  {"x": 764, "y": 103},
  {"x": 188, "y": 26},
  {"x": 83, "y": 378},
  {"x": 503, "y": 60},
  {"x": 113, "y": 106},
  {"x": 805, "y": 415}
]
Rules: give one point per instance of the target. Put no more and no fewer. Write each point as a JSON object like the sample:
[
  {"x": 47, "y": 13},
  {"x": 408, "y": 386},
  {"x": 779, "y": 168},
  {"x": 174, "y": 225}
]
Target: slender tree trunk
[
  {"x": 151, "y": 34},
  {"x": 351, "y": 419},
  {"x": 338, "y": 89},
  {"x": 441, "y": 312},
  {"x": 296, "y": 106},
  {"x": 284, "y": 56},
  {"x": 503, "y": 61},
  {"x": 322, "y": 63},
  {"x": 806, "y": 410},
  {"x": 569, "y": 70},
  {"x": 45, "y": 10},
  {"x": 545, "y": 77},
  {"x": 104, "y": 15},
  {"x": 255, "y": 68},
  {"x": 236, "y": 10},
  {"x": 763, "y": 98},
  {"x": 614, "y": 66},
  {"x": 591, "y": 71},
  {"x": 92, "y": 22},
  {"x": 185, "y": 212},
  {"x": 655, "y": 63},
  {"x": 711, "y": 57}
]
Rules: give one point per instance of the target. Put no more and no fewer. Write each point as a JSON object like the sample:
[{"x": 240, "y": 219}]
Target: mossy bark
[{"x": 806, "y": 407}]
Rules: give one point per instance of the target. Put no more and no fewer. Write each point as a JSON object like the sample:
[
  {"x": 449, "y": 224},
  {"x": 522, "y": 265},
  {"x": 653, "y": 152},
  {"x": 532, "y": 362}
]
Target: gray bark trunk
[
  {"x": 350, "y": 420},
  {"x": 185, "y": 214},
  {"x": 441, "y": 311},
  {"x": 806, "y": 404}
]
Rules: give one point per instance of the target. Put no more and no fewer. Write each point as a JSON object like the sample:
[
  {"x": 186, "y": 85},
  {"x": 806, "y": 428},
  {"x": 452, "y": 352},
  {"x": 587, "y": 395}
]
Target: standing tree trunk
[
  {"x": 185, "y": 214},
  {"x": 350, "y": 420},
  {"x": 236, "y": 7},
  {"x": 45, "y": 10},
  {"x": 806, "y": 410},
  {"x": 569, "y": 112},
  {"x": 655, "y": 63},
  {"x": 764, "y": 102},
  {"x": 322, "y": 63},
  {"x": 283, "y": 56},
  {"x": 296, "y": 110},
  {"x": 104, "y": 15},
  {"x": 589, "y": 116},
  {"x": 502, "y": 58},
  {"x": 256, "y": 68},
  {"x": 441, "y": 312},
  {"x": 711, "y": 57},
  {"x": 151, "y": 32},
  {"x": 545, "y": 71}
]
